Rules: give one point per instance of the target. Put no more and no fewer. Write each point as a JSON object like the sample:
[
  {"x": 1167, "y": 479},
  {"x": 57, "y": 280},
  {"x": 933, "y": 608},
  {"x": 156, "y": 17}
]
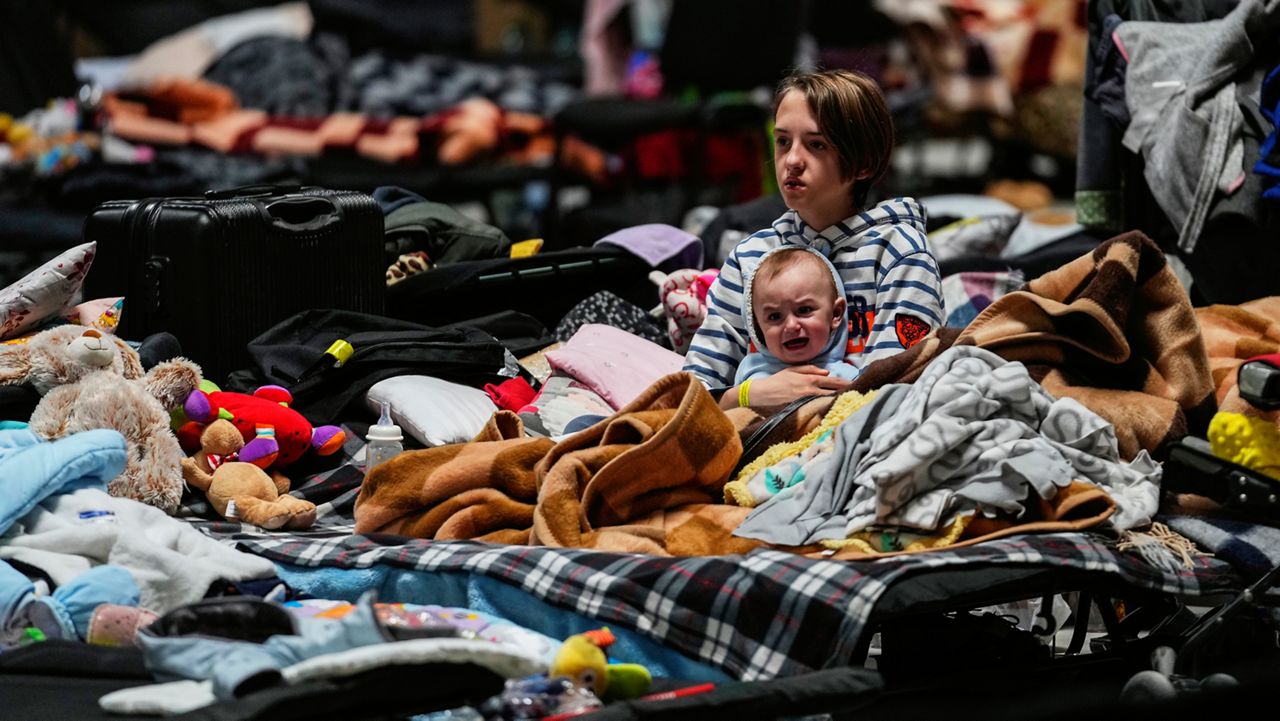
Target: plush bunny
[
  {"x": 684, "y": 303},
  {"x": 91, "y": 380}
]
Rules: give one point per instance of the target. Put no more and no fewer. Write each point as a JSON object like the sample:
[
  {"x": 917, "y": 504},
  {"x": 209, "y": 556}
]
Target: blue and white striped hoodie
[{"x": 891, "y": 282}]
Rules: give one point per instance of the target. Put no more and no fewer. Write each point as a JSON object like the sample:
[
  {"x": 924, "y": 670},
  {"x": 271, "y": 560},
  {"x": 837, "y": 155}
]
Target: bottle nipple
[{"x": 385, "y": 429}]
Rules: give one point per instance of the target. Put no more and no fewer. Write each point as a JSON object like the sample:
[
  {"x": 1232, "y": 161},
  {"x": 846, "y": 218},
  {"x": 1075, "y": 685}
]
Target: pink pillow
[
  {"x": 617, "y": 365},
  {"x": 102, "y": 313}
]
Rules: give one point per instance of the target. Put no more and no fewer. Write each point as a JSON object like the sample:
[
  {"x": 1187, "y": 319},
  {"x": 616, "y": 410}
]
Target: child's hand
[{"x": 795, "y": 382}]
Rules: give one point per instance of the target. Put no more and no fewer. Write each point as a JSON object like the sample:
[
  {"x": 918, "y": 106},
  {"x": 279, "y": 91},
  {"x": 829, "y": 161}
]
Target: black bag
[
  {"x": 218, "y": 270},
  {"x": 545, "y": 286},
  {"x": 518, "y": 332},
  {"x": 444, "y": 233},
  {"x": 293, "y": 354}
]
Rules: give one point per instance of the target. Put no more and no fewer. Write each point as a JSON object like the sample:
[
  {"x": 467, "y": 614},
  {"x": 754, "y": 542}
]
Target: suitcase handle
[
  {"x": 258, "y": 190},
  {"x": 302, "y": 213}
]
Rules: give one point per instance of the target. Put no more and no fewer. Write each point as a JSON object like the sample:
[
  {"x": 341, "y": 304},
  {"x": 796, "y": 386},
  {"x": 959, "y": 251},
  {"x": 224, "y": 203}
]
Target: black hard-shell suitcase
[{"x": 217, "y": 270}]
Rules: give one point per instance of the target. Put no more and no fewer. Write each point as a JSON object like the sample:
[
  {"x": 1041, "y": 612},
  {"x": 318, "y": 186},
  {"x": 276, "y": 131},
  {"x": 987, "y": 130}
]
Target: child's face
[
  {"x": 796, "y": 311},
  {"x": 808, "y": 167}
]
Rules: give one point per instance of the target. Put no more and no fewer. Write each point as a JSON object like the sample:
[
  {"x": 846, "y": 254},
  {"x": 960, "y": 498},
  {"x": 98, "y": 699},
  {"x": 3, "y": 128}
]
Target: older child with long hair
[{"x": 833, "y": 139}]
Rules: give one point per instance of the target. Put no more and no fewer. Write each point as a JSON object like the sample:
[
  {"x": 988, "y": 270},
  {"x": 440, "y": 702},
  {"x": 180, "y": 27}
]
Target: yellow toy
[
  {"x": 1247, "y": 440},
  {"x": 582, "y": 660}
]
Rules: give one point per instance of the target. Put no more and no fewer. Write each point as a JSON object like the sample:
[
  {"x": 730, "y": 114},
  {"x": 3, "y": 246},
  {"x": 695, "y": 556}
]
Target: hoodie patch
[
  {"x": 859, "y": 331},
  {"x": 910, "y": 329}
]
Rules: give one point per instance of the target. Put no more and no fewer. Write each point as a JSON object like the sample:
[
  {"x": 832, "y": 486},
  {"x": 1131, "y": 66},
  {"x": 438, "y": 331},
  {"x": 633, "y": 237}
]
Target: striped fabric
[{"x": 891, "y": 280}]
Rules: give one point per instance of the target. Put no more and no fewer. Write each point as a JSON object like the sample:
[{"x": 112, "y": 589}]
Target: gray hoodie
[{"x": 1181, "y": 94}]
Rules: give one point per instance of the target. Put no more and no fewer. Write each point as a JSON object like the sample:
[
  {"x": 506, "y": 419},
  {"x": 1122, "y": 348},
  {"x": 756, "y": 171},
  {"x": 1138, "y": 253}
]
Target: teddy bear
[
  {"x": 90, "y": 380},
  {"x": 275, "y": 435},
  {"x": 239, "y": 490}
]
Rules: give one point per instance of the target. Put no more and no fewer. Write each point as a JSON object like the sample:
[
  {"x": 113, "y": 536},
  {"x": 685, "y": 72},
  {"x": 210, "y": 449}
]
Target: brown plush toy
[
  {"x": 243, "y": 491},
  {"x": 90, "y": 380}
]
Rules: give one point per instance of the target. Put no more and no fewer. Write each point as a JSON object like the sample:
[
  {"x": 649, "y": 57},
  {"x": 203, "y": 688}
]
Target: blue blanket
[{"x": 32, "y": 469}]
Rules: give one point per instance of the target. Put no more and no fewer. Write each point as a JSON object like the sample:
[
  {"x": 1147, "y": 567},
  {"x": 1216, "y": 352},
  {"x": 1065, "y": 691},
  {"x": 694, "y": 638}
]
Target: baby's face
[{"x": 796, "y": 311}]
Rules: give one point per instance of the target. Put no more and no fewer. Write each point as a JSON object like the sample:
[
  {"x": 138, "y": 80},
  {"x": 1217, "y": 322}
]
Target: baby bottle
[{"x": 384, "y": 439}]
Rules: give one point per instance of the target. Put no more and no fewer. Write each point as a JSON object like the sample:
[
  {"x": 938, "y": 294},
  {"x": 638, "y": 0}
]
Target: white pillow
[
  {"x": 433, "y": 411},
  {"x": 44, "y": 292}
]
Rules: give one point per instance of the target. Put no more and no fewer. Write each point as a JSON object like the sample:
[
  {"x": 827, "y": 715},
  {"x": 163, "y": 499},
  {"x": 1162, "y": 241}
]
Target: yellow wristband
[{"x": 744, "y": 391}]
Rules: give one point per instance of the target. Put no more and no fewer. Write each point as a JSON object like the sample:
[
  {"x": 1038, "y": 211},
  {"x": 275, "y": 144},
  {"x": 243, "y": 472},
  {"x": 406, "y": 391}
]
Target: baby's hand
[{"x": 795, "y": 382}]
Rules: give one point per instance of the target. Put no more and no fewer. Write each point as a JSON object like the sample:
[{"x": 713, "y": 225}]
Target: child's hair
[
  {"x": 852, "y": 113},
  {"x": 780, "y": 260}
]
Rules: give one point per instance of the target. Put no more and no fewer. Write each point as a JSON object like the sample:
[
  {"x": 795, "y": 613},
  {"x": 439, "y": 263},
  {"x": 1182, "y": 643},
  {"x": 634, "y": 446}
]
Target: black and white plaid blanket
[{"x": 758, "y": 616}]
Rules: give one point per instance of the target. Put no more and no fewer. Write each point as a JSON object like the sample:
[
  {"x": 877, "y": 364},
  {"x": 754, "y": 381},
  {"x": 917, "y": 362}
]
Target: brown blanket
[
  {"x": 1113, "y": 329},
  {"x": 646, "y": 480},
  {"x": 484, "y": 489},
  {"x": 1236, "y": 333}
]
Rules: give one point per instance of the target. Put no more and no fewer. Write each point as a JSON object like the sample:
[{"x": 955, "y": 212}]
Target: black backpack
[{"x": 293, "y": 354}]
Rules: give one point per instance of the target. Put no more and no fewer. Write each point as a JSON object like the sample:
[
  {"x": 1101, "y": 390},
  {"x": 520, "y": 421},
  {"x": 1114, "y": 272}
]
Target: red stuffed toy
[{"x": 275, "y": 435}]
